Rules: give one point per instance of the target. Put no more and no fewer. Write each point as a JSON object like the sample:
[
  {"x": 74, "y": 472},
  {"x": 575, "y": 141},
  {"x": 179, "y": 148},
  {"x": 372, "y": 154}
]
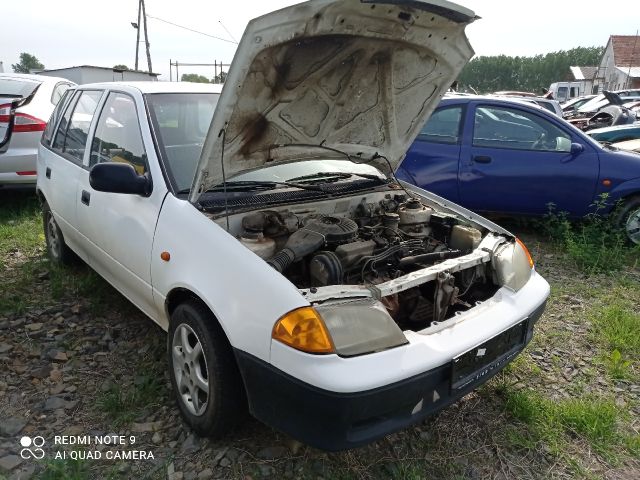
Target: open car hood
[{"x": 361, "y": 76}]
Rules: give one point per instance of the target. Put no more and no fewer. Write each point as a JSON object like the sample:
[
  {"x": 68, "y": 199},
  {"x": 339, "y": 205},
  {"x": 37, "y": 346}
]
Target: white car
[
  {"x": 26, "y": 102},
  {"x": 292, "y": 275}
]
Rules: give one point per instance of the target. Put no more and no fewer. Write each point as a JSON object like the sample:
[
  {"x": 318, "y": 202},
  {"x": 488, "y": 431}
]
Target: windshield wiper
[
  {"x": 255, "y": 185},
  {"x": 334, "y": 175}
]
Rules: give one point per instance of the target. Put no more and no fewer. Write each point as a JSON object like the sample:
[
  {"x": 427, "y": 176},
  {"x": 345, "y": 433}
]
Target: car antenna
[{"x": 223, "y": 133}]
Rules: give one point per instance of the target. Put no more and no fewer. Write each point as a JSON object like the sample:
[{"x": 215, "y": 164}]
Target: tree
[
  {"x": 121, "y": 67},
  {"x": 194, "y": 77},
  {"x": 532, "y": 74},
  {"x": 27, "y": 63}
]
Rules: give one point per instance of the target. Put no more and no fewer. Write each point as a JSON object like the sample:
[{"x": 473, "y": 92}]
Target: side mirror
[
  {"x": 576, "y": 148},
  {"x": 118, "y": 178}
]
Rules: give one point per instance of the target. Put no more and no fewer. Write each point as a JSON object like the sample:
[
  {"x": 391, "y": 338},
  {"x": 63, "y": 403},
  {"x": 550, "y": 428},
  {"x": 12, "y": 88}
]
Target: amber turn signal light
[
  {"x": 166, "y": 256},
  {"x": 526, "y": 251},
  {"x": 304, "y": 330}
]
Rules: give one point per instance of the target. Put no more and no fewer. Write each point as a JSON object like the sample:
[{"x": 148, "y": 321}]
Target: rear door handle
[
  {"x": 48, "y": 172},
  {"x": 482, "y": 159},
  {"x": 85, "y": 197}
]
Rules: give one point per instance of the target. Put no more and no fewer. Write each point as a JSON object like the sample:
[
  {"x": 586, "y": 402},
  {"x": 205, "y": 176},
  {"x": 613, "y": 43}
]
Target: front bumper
[{"x": 336, "y": 420}]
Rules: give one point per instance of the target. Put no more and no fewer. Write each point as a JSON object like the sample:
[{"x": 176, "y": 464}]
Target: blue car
[{"x": 501, "y": 156}]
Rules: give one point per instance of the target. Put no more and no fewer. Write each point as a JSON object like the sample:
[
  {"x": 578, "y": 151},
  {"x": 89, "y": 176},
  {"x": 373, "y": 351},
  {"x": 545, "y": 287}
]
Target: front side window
[
  {"x": 118, "y": 137},
  {"x": 181, "y": 122},
  {"x": 504, "y": 127},
  {"x": 443, "y": 126},
  {"x": 71, "y": 138}
]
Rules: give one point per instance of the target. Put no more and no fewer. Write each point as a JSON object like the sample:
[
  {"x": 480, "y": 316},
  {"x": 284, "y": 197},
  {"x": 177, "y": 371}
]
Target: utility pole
[
  {"x": 146, "y": 35},
  {"x": 137, "y": 26}
]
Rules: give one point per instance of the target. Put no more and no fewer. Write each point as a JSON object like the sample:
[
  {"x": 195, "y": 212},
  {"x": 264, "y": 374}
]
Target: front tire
[
  {"x": 203, "y": 371},
  {"x": 629, "y": 219},
  {"x": 57, "y": 249}
]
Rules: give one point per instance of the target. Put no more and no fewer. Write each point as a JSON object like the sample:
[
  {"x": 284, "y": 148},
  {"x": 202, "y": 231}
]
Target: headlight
[
  {"x": 361, "y": 326},
  {"x": 512, "y": 264},
  {"x": 349, "y": 328}
]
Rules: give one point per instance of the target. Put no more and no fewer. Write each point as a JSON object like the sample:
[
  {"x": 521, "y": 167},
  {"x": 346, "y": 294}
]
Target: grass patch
[
  {"x": 593, "y": 419},
  {"x": 124, "y": 403},
  {"x": 20, "y": 226},
  {"x": 67, "y": 469},
  {"x": 618, "y": 327}
]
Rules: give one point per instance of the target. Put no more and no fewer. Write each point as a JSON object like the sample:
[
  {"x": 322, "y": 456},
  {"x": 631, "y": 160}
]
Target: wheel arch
[{"x": 179, "y": 295}]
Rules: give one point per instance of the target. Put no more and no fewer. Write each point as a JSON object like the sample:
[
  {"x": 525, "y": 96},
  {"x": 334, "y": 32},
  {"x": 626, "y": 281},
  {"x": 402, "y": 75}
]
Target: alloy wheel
[
  {"x": 632, "y": 226},
  {"x": 190, "y": 369}
]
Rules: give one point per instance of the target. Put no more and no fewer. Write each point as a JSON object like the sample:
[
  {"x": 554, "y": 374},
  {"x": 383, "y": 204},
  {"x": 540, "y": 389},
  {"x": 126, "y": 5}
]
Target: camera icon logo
[{"x": 32, "y": 447}]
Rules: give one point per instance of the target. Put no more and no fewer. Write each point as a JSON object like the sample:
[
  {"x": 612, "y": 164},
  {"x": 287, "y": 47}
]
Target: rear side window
[
  {"x": 443, "y": 126},
  {"x": 17, "y": 88},
  {"x": 55, "y": 116},
  {"x": 71, "y": 138},
  {"x": 118, "y": 137}
]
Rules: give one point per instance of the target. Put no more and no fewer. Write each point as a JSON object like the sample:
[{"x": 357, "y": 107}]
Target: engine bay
[{"x": 369, "y": 240}]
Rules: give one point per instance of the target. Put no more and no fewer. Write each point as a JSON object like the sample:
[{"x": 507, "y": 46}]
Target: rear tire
[
  {"x": 57, "y": 249},
  {"x": 628, "y": 218},
  {"x": 204, "y": 374}
]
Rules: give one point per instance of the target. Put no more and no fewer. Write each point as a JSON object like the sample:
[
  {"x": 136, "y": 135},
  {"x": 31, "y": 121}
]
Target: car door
[
  {"x": 516, "y": 160},
  {"x": 119, "y": 228},
  {"x": 432, "y": 161},
  {"x": 61, "y": 161}
]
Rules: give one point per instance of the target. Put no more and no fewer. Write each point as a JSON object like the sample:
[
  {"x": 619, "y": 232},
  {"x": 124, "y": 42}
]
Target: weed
[
  {"x": 123, "y": 403},
  {"x": 595, "y": 244},
  {"x": 618, "y": 367}
]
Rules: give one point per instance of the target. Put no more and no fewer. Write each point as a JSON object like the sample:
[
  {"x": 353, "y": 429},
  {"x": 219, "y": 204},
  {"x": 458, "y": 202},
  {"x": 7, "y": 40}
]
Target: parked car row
[
  {"x": 181, "y": 194},
  {"x": 251, "y": 223}
]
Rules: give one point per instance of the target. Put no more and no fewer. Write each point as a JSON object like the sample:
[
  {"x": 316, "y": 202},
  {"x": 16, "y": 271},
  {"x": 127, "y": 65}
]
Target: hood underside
[{"x": 355, "y": 75}]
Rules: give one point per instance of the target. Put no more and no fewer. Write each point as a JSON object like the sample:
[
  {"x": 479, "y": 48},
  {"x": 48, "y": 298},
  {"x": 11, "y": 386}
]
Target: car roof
[
  {"x": 449, "y": 98},
  {"x": 158, "y": 87},
  {"x": 36, "y": 78}
]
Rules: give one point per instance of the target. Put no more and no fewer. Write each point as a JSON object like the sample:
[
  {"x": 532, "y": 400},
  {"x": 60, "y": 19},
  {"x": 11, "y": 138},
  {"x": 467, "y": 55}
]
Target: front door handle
[
  {"x": 85, "y": 197},
  {"x": 482, "y": 159}
]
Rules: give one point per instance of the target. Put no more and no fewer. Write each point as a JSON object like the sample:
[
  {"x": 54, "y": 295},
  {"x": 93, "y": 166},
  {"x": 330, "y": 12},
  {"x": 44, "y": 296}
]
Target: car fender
[
  {"x": 625, "y": 189},
  {"x": 245, "y": 294}
]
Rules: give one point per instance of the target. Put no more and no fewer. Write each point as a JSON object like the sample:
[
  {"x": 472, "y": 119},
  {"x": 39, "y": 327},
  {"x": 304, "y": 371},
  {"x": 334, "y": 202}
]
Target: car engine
[{"x": 374, "y": 243}]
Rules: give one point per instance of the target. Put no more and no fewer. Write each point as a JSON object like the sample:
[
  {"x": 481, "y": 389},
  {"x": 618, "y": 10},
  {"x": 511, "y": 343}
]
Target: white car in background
[
  {"x": 256, "y": 226},
  {"x": 26, "y": 103}
]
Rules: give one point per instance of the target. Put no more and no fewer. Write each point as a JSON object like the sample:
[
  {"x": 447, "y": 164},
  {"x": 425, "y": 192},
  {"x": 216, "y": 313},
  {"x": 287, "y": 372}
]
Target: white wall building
[{"x": 91, "y": 74}]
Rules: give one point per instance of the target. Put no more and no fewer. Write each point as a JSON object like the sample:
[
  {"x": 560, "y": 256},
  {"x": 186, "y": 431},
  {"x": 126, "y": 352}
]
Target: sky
[{"x": 64, "y": 33}]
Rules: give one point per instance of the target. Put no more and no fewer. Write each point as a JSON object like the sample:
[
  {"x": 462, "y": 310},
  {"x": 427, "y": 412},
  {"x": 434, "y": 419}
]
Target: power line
[
  {"x": 192, "y": 30},
  {"x": 227, "y": 30}
]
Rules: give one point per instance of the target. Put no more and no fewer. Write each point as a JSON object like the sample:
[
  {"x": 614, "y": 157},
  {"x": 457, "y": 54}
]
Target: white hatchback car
[
  {"x": 255, "y": 225},
  {"x": 26, "y": 102}
]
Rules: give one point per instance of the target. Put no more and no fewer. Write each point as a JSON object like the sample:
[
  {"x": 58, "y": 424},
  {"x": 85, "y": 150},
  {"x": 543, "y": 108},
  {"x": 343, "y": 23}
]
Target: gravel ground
[{"x": 69, "y": 368}]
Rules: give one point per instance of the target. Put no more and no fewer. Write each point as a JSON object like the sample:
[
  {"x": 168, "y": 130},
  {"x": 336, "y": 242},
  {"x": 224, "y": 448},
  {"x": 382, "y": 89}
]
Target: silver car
[{"x": 26, "y": 103}]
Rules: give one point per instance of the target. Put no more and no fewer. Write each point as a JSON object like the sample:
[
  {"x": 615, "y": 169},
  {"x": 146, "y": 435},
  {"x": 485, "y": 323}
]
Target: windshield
[
  {"x": 180, "y": 122},
  {"x": 10, "y": 87}
]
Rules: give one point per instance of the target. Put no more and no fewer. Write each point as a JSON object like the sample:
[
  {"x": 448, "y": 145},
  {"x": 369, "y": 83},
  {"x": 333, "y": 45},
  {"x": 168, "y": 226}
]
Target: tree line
[{"x": 531, "y": 74}]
